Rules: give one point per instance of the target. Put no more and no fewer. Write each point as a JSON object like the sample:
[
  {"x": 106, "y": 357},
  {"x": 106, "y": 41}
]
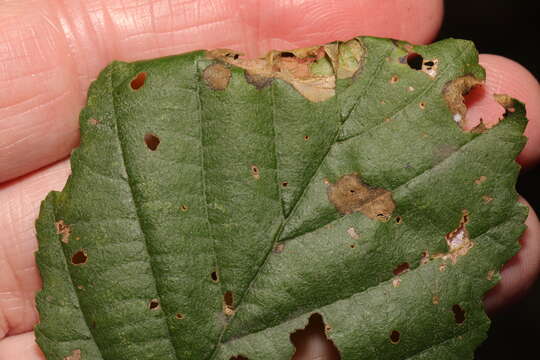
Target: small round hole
[
  {"x": 459, "y": 314},
  {"x": 139, "y": 81},
  {"x": 179, "y": 316},
  {"x": 287, "y": 54},
  {"x": 415, "y": 61},
  {"x": 151, "y": 141},
  {"x": 79, "y": 258},
  {"x": 184, "y": 208},
  {"x": 285, "y": 184},
  {"x": 154, "y": 304},
  {"x": 399, "y": 220},
  {"x": 214, "y": 276},
  {"x": 306, "y": 137},
  {"x": 394, "y": 337}
]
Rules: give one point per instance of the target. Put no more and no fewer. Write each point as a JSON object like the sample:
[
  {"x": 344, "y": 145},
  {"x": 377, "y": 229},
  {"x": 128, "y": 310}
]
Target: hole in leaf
[
  {"x": 214, "y": 276},
  {"x": 184, "y": 208},
  {"x": 287, "y": 54},
  {"x": 228, "y": 303},
  {"x": 285, "y": 184},
  {"x": 399, "y": 220},
  {"x": 459, "y": 314},
  {"x": 179, "y": 316},
  {"x": 239, "y": 357},
  {"x": 255, "y": 172},
  {"x": 415, "y": 61},
  {"x": 312, "y": 342},
  {"x": 139, "y": 81},
  {"x": 306, "y": 137},
  {"x": 401, "y": 268},
  {"x": 151, "y": 141},
  {"x": 79, "y": 258},
  {"x": 394, "y": 337},
  {"x": 154, "y": 304}
]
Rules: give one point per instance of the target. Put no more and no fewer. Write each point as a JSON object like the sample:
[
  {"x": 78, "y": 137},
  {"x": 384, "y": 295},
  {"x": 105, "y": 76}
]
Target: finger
[
  {"x": 520, "y": 273},
  {"x": 19, "y": 277},
  {"x": 20, "y": 347},
  {"x": 504, "y": 76},
  {"x": 51, "y": 50}
]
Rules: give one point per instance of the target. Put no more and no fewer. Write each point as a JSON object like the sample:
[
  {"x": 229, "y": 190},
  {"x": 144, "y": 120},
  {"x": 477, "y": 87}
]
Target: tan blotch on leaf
[
  {"x": 453, "y": 93},
  {"x": 217, "y": 76},
  {"x": 352, "y": 233},
  {"x": 480, "y": 180},
  {"x": 298, "y": 67},
  {"x": 64, "y": 230},
  {"x": 487, "y": 199},
  {"x": 75, "y": 355},
  {"x": 350, "y": 195}
]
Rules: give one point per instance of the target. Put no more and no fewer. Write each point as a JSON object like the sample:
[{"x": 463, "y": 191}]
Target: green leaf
[{"x": 217, "y": 203}]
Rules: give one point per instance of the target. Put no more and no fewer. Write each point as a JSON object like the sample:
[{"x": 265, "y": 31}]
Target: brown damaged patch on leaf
[
  {"x": 430, "y": 67},
  {"x": 64, "y": 230},
  {"x": 480, "y": 180},
  {"x": 217, "y": 76},
  {"x": 75, "y": 355},
  {"x": 458, "y": 241},
  {"x": 347, "y": 57},
  {"x": 454, "y": 92},
  {"x": 311, "y": 71},
  {"x": 350, "y": 195},
  {"x": 506, "y": 101},
  {"x": 352, "y": 233},
  {"x": 487, "y": 199}
]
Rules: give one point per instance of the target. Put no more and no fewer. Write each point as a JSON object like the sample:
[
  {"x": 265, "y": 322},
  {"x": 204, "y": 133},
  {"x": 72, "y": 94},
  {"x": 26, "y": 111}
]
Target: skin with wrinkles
[{"x": 51, "y": 50}]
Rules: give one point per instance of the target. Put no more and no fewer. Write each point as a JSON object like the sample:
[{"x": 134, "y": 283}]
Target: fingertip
[
  {"x": 20, "y": 347},
  {"x": 505, "y": 76},
  {"x": 288, "y": 25},
  {"x": 520, "y": 273}
]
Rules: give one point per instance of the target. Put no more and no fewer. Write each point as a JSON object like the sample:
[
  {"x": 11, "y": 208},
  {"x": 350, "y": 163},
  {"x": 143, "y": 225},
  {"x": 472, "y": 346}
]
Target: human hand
[{"x": 51, "y": 50}]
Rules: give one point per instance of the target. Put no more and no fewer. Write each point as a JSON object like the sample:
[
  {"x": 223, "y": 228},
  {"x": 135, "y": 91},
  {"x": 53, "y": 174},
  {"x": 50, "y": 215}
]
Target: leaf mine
[{"x": 349, "y": 194}]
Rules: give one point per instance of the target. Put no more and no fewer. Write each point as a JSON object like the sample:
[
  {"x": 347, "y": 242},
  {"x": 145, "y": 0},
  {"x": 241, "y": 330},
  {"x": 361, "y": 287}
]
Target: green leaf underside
[{"x": 237, "y": 185}]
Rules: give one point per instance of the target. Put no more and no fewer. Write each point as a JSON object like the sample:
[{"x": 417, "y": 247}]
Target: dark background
[{"x": 509, "y": 28}]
